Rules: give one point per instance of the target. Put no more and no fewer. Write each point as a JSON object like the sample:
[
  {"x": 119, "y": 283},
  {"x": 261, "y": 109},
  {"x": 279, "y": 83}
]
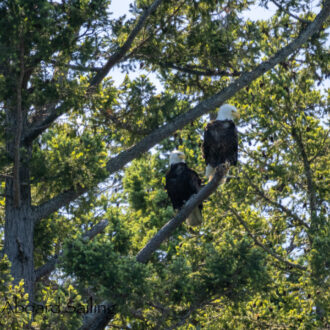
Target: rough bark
[
  {"x": 19, "y": 224},
  {"x": 18, "y": 131},
  {"x": 19, "y": 228}
]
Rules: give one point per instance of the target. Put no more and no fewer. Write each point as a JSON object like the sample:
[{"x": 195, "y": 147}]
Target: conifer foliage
[{"x": 83, "y": 159}]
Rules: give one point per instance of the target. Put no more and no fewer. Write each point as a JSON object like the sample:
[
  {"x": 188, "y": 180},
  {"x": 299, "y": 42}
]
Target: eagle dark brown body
[
  {"x": 181, "y": 183},
  {"x": 220, "y": 143}
]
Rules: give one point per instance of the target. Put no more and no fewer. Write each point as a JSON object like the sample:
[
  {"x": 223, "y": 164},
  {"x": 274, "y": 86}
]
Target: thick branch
[
  {"x": 51, "y": 264},
  {"x": 144, "y": 255},
  {"x": 5, "y": 176},
  {"x": 91, "y": 322},
  {"x": 52, "y": 205},
  {"x": 116, "y": 57},
  {"x": 202, "y": 108},
  {"x": 99, "y": 227},
  {"x": 40, "y": 125},
  {"x": 269, "y": 251}
]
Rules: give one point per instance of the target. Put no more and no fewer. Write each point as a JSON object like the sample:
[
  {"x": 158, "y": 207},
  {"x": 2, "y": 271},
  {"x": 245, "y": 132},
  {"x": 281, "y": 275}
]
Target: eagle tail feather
[
  {"x": 209, "y": 172},
  {"x": 195, "y": 218}
]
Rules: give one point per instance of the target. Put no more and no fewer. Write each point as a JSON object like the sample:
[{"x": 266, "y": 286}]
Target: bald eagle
[
  {"x": 181, "y": 183},
  {"x": 220, "y": 140}
]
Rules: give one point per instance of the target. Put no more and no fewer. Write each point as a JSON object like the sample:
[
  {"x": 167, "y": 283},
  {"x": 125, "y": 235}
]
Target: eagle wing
[
  {"x": 181, "y": 183},
  {"x": 220, "y": 143},
  {"x": 195, "y": 184},
  {"x": 194, "y": 181}
]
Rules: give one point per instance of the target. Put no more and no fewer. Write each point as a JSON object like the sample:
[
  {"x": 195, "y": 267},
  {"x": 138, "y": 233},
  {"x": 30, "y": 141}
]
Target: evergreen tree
[{"x": 83, "y": 161}]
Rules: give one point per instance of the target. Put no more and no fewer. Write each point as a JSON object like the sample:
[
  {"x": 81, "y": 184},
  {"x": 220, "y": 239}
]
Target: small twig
[
  {"x": 117, "y": 56},
  {"x": 6, "y": 176},
  {"x": 190, "y": 311},
  {"x": 289, "y": 13},
  {"x": 278, "y": 205},
  {"x": 269, "y": 251},
  {"x": 292, "y": 246},
  {"x": 78, "y": 67},
  {"x": 134, "y": 50}
]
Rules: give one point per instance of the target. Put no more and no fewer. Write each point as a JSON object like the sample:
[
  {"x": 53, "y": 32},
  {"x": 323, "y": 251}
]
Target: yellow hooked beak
[
  {"x": 182, "y": 156},
  {"x": 235, "y": 114}
]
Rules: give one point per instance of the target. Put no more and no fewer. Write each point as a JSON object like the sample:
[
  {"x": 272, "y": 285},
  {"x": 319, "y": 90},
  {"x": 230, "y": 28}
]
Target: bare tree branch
[
  {"x": 119, "y": 161},
  {"x": 269, "y": 251},
  {"x": 99, "y": 227},
  {"x": 200, "y": 71},
  {"x": 113, "y": 60},
  {"x": 97, "y": 321},
  {"x": 144, "y": 255},
  {"x": 52, "y": 205},
  {"x": 51, "y": 264}
]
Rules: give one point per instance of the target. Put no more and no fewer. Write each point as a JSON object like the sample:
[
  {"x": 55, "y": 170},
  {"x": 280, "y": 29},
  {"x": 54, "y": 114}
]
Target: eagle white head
[
  {"x": 227, "y": 112},
  {"x": 177, "y": 156}
]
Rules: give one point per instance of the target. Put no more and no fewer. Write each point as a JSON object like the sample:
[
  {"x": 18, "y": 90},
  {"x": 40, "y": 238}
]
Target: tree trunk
[{"x": 19, "y": 227}]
